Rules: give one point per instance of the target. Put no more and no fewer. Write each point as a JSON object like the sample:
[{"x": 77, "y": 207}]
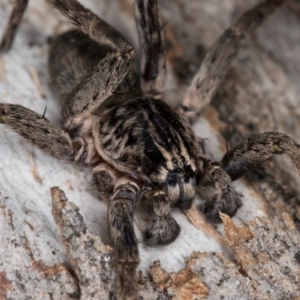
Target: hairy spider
[{"x": 115, "y": 120}]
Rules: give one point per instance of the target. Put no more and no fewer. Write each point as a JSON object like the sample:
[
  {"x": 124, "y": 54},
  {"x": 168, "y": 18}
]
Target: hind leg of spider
[
  {"x": 13, "y": 24},
  {"x": 97, "y": 82},
  {"x": 120, "y": 223},
  {"x": 152, "y": 48},
  {"x": 219, "y": 57},
  {"x": 37, "y": 130}
]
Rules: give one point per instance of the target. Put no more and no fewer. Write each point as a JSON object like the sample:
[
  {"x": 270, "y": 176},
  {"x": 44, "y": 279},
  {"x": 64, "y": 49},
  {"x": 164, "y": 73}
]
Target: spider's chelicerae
[{"x": 115, "y": 119}]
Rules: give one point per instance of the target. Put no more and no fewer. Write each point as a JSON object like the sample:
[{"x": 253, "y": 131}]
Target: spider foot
[
  {"x": 229, "y": 203},
  {"x": 162, "y": 232},
  {"x": 225, "y": 199}
]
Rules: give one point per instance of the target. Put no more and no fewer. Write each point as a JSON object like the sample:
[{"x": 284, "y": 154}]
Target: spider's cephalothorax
[
  {"x": 115, "y": 120},
  {"x": 145, "y": 137}
]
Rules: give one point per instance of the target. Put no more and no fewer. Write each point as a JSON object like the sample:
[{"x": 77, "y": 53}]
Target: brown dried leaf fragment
[
  {"x": 185, "y": 284},
  {"x": 5, "y": 285}
]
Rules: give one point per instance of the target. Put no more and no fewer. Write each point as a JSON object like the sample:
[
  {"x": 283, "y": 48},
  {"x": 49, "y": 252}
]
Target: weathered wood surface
[{"x": 260, "y": 93}]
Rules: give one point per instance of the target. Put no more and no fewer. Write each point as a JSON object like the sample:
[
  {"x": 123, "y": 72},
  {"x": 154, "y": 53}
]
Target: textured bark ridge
[
  {"x": 90, "y": 258},
  {"x": 267, "y": 252},
  {"x": 21, "y": 276},
  {"x": 266, "y": 265},
  {"x": 64, "y": 258}
]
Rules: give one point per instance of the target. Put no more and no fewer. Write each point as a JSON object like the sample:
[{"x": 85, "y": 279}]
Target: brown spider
[{"x": 115, "y": 120}]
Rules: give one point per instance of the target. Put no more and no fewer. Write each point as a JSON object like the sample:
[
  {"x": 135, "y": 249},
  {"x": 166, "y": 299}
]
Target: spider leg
[
  {"x": 13, "y": 24},
  {"x": 258, "y": 149},
  {"x": 236, "y": 162},
  {"x": 120, "y": 222},
  {"x": 121, "y": 206},
  {"x": 225, "y": 198},
  {"x": 38, "y": 130},
  {"x": 164, "y": 229},
  {"x": 99, "y": 83},
  {"x": 152, "y": 48},
  {"x": 219, "y": 57}
]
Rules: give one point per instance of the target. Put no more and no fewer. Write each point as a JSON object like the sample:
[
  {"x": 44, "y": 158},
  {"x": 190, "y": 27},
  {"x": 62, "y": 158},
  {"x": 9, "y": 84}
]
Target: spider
[{"x": 115, "y": 120}]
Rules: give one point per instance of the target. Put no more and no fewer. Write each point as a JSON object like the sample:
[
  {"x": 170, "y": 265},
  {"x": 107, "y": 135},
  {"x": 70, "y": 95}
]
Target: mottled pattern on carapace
[{"x": 146, "y": 136}]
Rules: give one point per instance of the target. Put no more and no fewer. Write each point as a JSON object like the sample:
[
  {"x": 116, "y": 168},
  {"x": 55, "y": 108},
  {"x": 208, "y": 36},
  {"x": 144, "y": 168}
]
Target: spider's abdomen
[{"x": 145, "y": 136}]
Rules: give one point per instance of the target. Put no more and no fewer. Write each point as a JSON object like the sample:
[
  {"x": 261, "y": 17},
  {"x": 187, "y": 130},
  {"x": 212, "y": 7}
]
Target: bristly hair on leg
[{"x": 44, "y": 113}]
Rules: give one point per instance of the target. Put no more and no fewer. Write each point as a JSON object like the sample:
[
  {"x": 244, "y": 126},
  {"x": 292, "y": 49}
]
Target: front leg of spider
[
  {"x": 238, "y": 161},
  {"x": 120, "y": 219},
  {"x": 260, "y": 147},
  {"x": 38, "y": 130},
  {"x": 225, "y": 198}
]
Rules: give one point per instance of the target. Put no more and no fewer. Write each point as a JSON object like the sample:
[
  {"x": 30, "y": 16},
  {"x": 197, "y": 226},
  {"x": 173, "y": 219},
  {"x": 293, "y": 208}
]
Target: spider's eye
[{"x": 171, "y": 182}]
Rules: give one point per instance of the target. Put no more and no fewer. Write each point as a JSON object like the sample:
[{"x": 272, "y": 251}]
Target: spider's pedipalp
[
  {"x": 120, "y": 223},
  {"x": 256, "y": 150},
  {"x": 164, "y": 229},
  {"x": 13, "y": 24},
  {"x": 187, "y": 192},
  {"x": 38, "y": 130},
  {"x": 104, "y": 177},
  {"x": 219, "y": 57},
  {"x": 152, "y": 48}
]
